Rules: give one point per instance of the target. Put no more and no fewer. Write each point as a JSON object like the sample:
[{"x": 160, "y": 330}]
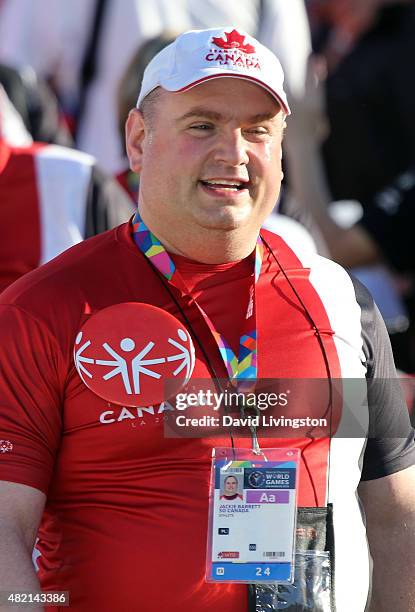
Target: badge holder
[{"x": 252, "y": 515}]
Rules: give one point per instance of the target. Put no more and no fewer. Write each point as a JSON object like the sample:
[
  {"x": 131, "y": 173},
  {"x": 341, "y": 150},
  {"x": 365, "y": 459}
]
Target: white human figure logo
[
  {"x": 137, "y": 364},
  {"x": 187, "y": 357},
  {"x": 79, "y": 359}
]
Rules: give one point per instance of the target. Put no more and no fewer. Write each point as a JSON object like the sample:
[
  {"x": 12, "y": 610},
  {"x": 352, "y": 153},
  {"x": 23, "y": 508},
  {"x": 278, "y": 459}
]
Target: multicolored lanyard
[{"x": 242, "y": 370}]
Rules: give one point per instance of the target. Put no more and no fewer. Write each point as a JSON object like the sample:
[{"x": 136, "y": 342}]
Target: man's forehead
[
  {"x": 205, "y": 112},
  {"x": 221, "y": 99}
]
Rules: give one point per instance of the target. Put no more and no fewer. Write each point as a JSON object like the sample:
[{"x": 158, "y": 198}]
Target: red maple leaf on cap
[{"x": 234, "y": 40}]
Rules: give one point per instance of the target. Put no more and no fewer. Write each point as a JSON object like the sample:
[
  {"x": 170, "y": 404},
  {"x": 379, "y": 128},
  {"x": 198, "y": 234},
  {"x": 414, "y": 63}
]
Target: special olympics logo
[
  {"x": 125, "y": 354},
  {"x": 5, "y": 446},
  {"x": 256, "y": 479}
]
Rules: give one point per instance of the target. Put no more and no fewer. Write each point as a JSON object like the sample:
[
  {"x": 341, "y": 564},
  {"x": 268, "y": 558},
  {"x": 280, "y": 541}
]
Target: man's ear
[{"x": 134, "y": 136}]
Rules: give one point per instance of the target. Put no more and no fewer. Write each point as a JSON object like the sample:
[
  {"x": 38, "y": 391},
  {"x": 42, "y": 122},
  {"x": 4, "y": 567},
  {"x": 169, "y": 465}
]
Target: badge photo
[{"x": 133, "y": 354}]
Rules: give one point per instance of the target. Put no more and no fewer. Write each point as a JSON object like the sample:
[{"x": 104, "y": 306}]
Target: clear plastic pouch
[
  {"x": 310, "y": 592},
  {"x": 313, "y": 586}
]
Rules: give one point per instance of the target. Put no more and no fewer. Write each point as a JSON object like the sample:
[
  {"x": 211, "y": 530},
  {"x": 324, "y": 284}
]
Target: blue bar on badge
[{"x": 255, "y": 572}]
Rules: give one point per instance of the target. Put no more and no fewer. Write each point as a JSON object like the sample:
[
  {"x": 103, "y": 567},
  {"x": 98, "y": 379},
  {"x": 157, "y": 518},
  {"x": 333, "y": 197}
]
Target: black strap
[
  {"x": 260, "y": 19},
  {"x": 89, "y": 62}
]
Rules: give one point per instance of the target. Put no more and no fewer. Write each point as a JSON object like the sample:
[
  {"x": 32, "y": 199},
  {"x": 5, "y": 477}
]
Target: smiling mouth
[{"x": 225, "y": 185}]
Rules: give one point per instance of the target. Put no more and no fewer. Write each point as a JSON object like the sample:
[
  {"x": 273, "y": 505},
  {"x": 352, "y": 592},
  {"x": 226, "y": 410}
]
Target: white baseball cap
[{"x": 199, "y": 55}]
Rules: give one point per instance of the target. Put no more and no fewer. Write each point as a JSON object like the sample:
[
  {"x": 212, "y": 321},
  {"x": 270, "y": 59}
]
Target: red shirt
[{"x": 126, "y": 517}]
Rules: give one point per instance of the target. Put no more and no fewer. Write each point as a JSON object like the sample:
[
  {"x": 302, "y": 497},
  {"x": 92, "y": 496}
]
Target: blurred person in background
[
  {"x": 369, "y": 152},
  {"x": 368, "y": 144},
  {"x": 52, "y": 197},
  {"x": 369, "y": 95},
  {"x": 37, "y": 105},
  {"x": 127, "y": 95},
  {"x": 13, "y": 129}
]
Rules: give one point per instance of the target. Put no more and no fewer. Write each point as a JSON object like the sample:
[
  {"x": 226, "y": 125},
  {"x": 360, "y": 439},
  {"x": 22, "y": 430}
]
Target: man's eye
[
  {"x": 201, "y": 126},
  {"x": 258, "y": 130}
]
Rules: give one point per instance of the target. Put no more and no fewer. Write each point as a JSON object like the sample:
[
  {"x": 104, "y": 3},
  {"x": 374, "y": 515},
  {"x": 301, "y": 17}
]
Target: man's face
[
  {"x": 210, "y": 157},
  {"x": 231, "y": 486}
]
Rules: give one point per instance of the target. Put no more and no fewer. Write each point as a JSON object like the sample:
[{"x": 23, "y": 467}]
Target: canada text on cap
[{"x": 199, "y": 55}]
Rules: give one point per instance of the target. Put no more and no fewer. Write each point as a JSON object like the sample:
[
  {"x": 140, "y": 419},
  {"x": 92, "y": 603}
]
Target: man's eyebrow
[
  {"x": 199, "y": 111},
  {"x": 215, "y": 116},
  {"x": 262, "y": 117}
]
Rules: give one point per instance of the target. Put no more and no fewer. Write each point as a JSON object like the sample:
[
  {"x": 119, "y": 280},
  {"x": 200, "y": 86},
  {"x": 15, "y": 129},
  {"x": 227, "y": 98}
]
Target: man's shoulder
[
  {"x": 347, "y": 302},
  {"x": 56, "y": 299},
  {"x": 294, "y": 255}
]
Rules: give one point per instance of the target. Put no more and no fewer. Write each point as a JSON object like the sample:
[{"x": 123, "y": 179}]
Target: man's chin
[{"x": 227, "y": 219}]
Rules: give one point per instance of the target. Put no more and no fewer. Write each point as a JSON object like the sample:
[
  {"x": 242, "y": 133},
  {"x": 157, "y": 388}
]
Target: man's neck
[
  {"x": 211, "y": 249},
  {"x": 204, "y": 245}
]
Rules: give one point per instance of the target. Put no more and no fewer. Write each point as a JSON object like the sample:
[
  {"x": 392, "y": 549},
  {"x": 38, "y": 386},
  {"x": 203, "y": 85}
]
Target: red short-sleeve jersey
[{"x": 126, "y": 516}]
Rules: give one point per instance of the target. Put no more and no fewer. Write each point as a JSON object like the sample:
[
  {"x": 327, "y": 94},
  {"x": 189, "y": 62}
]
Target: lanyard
[{"x": 242, "y": 369}]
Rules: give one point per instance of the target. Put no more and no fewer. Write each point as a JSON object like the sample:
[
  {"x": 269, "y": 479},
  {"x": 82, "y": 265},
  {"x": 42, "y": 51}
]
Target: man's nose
[{"x": 232, "y": 149}]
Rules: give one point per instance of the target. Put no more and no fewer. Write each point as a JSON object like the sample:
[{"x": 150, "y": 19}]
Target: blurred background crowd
[{"x": 70, "y": 72}]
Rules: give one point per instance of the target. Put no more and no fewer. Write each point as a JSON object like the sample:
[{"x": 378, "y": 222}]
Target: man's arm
[
  {"x": 21, "y": 509},
  {"x": 389, "y": 504}
]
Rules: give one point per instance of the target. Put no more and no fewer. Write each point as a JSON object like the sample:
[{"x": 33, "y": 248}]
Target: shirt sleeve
[
  {"x": 31, "y": 386},
  {"x": 390, "y": 445}
]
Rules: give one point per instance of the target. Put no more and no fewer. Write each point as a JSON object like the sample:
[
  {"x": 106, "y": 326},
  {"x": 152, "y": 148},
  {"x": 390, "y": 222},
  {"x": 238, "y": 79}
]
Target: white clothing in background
[{"x": 51, "y": 35}]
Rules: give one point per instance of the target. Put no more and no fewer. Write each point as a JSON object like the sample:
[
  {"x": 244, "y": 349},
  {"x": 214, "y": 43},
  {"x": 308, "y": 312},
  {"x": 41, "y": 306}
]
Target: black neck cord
[
  {"x": 213, "y": 372},
  {"x": 329, "y": 409}
]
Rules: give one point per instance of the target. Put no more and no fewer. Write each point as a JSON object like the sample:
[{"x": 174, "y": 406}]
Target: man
[{"x": 85, "y": 459}]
